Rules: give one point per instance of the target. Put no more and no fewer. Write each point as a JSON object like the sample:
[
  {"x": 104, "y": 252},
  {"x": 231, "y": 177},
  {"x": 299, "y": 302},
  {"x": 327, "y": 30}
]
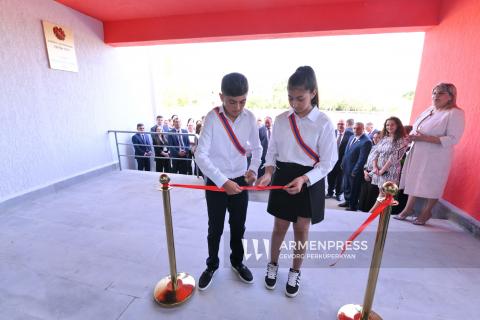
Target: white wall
[{"x": 53, "y": 123}]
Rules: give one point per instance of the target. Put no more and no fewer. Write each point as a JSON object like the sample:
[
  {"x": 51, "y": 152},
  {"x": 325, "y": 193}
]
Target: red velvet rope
[{"x": 378, "y": 210}]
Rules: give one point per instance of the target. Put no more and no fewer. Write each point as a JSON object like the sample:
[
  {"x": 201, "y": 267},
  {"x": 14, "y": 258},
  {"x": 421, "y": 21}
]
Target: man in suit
[
  {"x": 160, "y": 122},
  {"x": 143, "y": 148},
  {"x": 264, "y": 133},
  {"x": 179, "y": 146},
  {"x": 349, "y": 125},
  {"x": 356, "y": 154},
  {"x": 370, "y": 130},
  {"x": 335, "y": 177}
]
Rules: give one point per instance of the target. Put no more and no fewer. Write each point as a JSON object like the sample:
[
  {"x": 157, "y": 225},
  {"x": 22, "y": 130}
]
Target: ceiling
[{"x": 150, "y": 22}]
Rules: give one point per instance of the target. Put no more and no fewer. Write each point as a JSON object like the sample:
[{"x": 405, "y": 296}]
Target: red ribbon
[
  {"x": 215, "y": 188},
  {"x": 378, "y": 210},
  {"x": 343, "y": 316}
]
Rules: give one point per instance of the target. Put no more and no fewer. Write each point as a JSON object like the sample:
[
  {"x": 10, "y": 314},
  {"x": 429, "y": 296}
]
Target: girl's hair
[
  {"x": 198, "y": 128},
  {"x": 399, "y": 132},
  {"x": 451, "y": 90},
  {"x": 304, "y": 77}
]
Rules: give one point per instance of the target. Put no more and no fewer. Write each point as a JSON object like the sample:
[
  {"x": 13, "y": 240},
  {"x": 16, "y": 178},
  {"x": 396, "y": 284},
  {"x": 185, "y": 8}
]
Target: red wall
[{"x": 452, "y": 54}]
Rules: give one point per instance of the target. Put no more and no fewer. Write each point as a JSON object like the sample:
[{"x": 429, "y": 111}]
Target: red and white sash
[
  {"x": 296, "y": 133},
  {"x": 229, "y": 131}
]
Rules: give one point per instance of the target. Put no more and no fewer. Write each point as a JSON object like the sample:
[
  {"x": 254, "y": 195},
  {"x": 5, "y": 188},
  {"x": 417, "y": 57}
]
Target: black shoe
[
  {"x": 206, "y": 279},
  {"x": 338, "y": 198},
  {"x": 271, "y": 276},
  {"x": 328, "y": 196},
  {"x": 243, "y": 273},
  {"x": 293, "y": 283},
  {"x": 350, "y": 209},
  {"x": 343, "y": 204}
]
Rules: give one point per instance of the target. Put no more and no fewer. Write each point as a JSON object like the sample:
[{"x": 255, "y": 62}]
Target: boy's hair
[
  {"x": 139, "y": 125},
  {"x": 304, "y": 77},
  {"x": 234, "y": 85}
]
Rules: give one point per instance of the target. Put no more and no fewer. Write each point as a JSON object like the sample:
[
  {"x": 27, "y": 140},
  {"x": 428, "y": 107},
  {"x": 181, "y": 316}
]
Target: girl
[{"x": 303, "y": 151}]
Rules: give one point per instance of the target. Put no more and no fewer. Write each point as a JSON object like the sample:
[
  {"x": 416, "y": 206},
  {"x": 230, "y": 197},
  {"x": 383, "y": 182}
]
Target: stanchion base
[
  {"x": 164, "y": 294},
  {"x": 354, "y": 312}
]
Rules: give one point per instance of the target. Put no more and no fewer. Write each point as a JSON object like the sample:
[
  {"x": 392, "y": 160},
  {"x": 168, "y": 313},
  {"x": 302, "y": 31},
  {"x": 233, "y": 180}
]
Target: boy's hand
[
  {"x": 231, "y": 187},
  {"x": 250, "y": 177}
]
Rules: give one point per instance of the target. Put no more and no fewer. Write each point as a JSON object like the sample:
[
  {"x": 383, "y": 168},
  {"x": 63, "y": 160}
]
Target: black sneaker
[
  {"x": 293, "y": 283},
  {"x": 271, "y": 276},
  {"x": 206, "y": 279},
  {"x": 243, "y": 273},
  {"x": 328, "y": 196}
]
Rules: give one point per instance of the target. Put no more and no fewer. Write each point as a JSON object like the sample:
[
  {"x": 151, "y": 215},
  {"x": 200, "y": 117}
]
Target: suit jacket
[
  {"x": 356, "y": 155},
  {"x": 140, "y": 150},
  {"x": 262, "y": 134},
  {"x": 164, "y": 129},
  {"x": 174, "y": 142},
  {"x": 343, "y": 144}
]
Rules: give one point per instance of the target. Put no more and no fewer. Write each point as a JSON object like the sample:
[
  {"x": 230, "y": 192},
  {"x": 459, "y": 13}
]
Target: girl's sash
[{"x": 296, "y": 133}]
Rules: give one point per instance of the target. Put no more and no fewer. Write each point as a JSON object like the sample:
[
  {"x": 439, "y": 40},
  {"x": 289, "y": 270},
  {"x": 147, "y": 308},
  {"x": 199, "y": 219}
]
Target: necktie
[
  {"x": 353, "y": 141},
  {"x": 268, "y": 134},
  {"x": 339, "y": 139},
  {"x": 143, "y": 139},
  {"x": 180, "y": 141}
]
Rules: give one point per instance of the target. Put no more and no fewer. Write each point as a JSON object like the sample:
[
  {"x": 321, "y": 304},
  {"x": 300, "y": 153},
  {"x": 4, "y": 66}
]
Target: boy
[{"x": 221, "y": 156}]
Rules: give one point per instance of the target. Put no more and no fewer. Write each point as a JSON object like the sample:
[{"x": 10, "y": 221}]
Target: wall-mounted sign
[{"x": 60, "y": 47}]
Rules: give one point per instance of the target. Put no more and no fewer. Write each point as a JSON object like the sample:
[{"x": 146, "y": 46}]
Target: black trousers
[
  {"x": 163, "y": 165},
  {"x": 181, "y": 166},
  {"x": 335, "y": 180},
  {"x": 352, "y": 189},
  {"x": 368, "y": 195},
  {"x": 143, "y": 164},
  {"x": 217, "y": 204}
]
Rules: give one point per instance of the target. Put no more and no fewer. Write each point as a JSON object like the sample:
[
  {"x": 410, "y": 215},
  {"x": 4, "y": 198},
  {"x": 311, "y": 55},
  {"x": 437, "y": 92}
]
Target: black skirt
[{"x": 308, "y": 203}]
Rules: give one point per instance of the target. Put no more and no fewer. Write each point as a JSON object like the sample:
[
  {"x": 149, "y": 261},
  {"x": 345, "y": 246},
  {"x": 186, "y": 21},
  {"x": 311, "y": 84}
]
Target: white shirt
[
  {"x": 317, "y": 132},
  {"x": 216, "y": 154}
]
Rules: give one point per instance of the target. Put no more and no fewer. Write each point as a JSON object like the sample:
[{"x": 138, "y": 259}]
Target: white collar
[
  {"x": 312, "y": 115},
  {"x": 222, "y": 110}
]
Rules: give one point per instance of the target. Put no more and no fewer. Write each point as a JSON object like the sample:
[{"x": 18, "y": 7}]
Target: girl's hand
[
  {"x": 264, "y": 180},
  {"x": 296, "y": 185}
]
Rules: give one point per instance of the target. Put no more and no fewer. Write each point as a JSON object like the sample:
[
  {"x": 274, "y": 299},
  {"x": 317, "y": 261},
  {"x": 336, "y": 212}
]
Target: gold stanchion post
[
  {"x": 353, "y": 311},
  {"x": 176, "y": 288}
]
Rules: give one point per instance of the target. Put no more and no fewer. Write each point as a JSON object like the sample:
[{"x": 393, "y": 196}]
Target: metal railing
[{"x": 152, "y": 146}]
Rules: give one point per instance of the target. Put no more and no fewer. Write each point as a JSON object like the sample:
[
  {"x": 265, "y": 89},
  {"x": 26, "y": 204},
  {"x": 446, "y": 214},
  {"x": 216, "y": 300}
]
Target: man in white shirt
[{"x": 221, "y": 155}]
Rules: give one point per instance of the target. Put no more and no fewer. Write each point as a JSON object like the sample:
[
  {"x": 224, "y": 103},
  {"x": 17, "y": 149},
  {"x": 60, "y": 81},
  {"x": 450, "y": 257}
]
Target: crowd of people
[
  {"x": 170, "y": 145},
  {"x": 299, "y": 150}
]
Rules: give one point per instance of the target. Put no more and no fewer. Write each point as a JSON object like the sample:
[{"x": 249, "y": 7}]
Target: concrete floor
[{"x": 95, "y": 250}]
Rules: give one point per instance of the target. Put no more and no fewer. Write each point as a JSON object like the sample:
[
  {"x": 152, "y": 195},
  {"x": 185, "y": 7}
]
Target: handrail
[{"x": 190, "y": 147}]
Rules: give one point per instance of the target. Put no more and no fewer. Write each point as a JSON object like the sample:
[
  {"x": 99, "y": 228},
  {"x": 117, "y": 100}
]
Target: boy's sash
[
  {"x": 229, "y": 131},
  {"x": 296, "y": 133}
]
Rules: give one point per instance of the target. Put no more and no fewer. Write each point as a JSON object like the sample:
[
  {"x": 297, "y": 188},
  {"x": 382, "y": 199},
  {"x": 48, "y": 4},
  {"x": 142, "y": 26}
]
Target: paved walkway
[{"x": 95, "y": 250}]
